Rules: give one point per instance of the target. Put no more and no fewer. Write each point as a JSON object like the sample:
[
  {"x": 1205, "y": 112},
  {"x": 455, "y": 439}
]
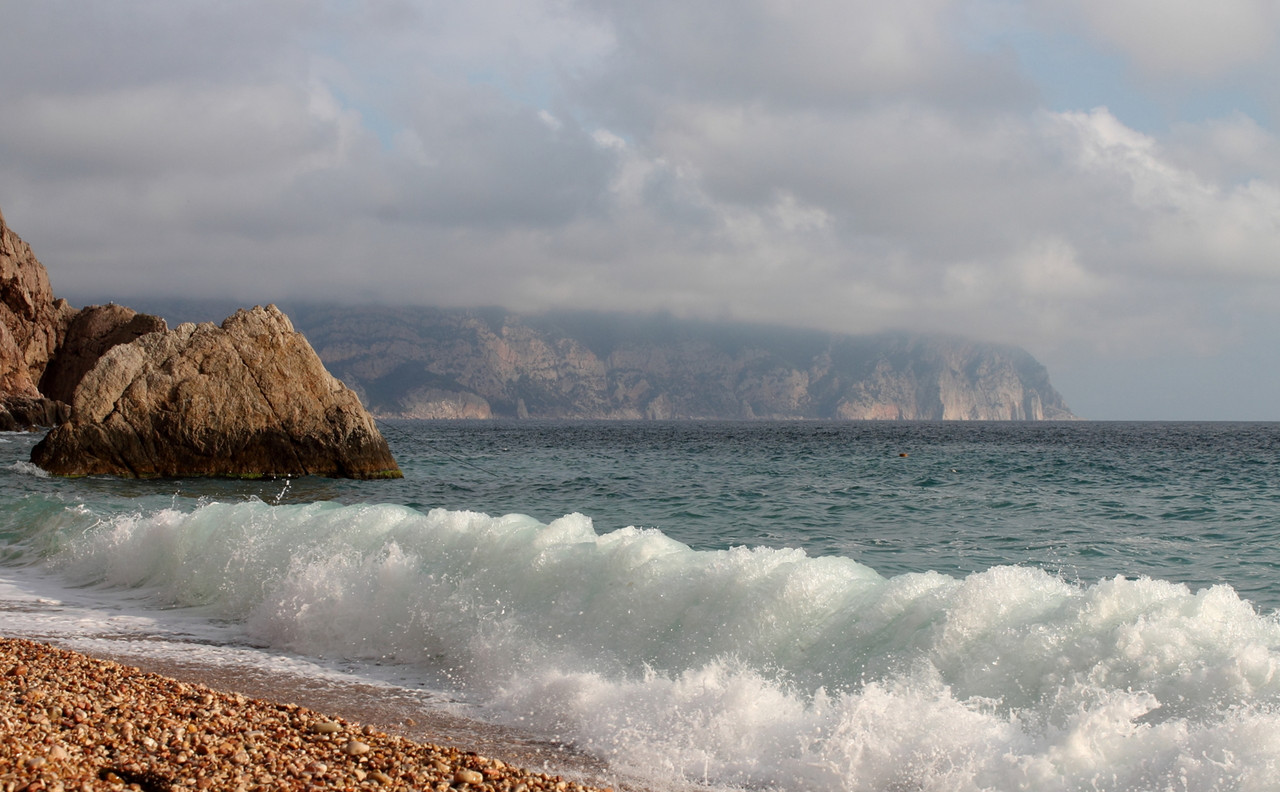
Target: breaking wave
[{"x": 743, "y": 668}]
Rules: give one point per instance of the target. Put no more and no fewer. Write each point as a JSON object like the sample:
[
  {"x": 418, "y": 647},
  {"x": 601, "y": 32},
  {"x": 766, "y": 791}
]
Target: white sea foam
[
  {"x": 27, "y": 468},
  {"x": 752, "y": 668}
]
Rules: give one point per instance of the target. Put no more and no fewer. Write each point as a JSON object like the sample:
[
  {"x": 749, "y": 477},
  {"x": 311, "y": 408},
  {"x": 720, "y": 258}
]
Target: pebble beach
[{"x": 72, "y": 722}]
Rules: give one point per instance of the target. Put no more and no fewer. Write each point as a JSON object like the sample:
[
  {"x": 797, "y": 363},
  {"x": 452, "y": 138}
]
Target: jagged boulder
[{"x": 247, "y": 399}]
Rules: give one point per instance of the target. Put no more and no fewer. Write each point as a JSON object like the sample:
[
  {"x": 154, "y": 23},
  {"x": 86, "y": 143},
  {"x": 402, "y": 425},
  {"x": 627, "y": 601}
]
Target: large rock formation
[
  {"x": 45, "y": 344},
  {"x": 435, "y": 363},
  {"x": 247, "y": 399},
  {"x": 31, "y": 326},
  {"x": 24, "y": 413}
]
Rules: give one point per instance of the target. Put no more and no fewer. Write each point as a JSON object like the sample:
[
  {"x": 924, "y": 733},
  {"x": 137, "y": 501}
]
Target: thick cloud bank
[{"x": 1099, "y": 182}]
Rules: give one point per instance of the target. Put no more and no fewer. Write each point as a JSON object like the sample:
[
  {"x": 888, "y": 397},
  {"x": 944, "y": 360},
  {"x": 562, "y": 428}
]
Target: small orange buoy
[{"x": 901, "y": 455}]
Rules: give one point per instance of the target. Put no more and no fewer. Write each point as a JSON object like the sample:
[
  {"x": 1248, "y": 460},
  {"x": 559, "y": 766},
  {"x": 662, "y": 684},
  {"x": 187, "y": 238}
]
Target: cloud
[
  {"x": 847, "y": 165},
  {"x": 1230, "y": 149},
  {"x": 1177, "y": 221},
  {"x": 1182, "y": 38},
  {"x": 156, "y": 130},
  {"x": 821, "y": 53},
  {"x": 64, "y": 46}
]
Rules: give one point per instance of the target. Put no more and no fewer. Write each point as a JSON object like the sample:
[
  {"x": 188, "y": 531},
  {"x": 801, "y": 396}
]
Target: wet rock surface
[{"x": 20, "y": 413}]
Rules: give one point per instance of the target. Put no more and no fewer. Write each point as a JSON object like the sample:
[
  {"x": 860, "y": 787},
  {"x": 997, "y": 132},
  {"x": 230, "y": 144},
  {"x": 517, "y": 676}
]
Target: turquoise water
[{"x": 840, "y": 606}]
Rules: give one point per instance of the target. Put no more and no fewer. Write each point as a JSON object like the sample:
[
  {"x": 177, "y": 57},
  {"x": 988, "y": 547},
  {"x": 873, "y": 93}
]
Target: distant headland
[{"x": 436, "y": 363}]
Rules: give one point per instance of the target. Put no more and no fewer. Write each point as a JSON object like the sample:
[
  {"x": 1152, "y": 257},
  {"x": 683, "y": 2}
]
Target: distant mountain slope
[
  {"x": 437, "y": 363},
  {"x": 485, "y": 363}
]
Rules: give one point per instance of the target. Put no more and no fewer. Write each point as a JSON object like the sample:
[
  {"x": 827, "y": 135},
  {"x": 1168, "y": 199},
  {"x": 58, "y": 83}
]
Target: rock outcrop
[
  {"x": 45, "y": 344},
  {"x": 130, "y": 398},
  {"x": 247, "y": 399},
  {"x": 436, "y": 363},
  {"x": 23, "y": 413},
  {"x": 31, "y": 320},
  {"x": 31, "y": 326}
]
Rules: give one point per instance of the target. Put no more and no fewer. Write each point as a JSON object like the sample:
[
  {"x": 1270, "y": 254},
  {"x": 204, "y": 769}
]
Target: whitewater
[{"x": 728, "y": 606}]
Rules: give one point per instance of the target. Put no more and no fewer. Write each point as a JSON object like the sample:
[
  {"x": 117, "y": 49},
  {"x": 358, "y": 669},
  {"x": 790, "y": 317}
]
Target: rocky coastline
[
  {"x": 435, "y": 363},
  {"x": 126, "y": 396}
]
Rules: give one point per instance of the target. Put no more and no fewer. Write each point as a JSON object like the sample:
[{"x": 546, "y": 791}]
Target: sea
[{"x": 724, "y": 605}]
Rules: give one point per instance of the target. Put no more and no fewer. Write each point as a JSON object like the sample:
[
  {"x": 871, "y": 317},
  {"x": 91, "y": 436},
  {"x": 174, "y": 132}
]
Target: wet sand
[{"x": 72, "y": 722}]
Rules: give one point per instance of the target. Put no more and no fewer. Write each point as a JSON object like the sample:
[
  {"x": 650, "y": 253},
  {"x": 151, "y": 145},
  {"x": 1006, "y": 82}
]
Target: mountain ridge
[{"x": 480, "y": 363}]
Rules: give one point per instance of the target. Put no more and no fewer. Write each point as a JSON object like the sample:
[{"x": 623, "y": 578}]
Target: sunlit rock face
[
  {"x": 247, "y": 399},
  {"x": 131, "y": 398},
  {"x": 952, "y": 379}
]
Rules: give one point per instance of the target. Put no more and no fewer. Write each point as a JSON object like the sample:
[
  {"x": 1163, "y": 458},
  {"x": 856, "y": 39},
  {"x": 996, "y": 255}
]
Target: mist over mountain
[{"x": 418, "y": 362}]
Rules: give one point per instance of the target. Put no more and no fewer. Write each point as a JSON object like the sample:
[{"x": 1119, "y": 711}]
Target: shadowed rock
[
  {"x": 247, "y": 399},
  {"x": 21, "y": 413},
  {"x": 90, "y": 334}
]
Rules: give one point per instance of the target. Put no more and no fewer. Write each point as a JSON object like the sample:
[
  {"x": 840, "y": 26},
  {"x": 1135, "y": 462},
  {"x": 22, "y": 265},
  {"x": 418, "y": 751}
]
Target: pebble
[
  {"x": 356, "y": 748},
  {"x": 187, "y": 737},
  {"x": 465, "y": 776}
]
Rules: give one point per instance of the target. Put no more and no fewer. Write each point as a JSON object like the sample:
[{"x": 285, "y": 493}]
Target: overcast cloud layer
[{"x": 1095, "y": 180}]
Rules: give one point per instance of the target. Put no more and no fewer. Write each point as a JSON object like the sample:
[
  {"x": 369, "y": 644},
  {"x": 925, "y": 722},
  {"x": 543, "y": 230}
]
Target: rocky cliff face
[
  {"x": 46, "y": 346},
  {"x": 32, "y": 322},
  {"x": 432, "y": 363}
]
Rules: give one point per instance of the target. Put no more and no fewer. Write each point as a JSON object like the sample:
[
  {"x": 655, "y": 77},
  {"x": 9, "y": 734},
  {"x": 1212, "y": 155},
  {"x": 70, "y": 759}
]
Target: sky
[{"x": 1097, "y": 181}]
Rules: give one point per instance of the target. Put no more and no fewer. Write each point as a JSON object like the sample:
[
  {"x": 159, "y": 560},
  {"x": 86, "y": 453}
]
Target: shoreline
[
  {"x": 392, "y": 710},
  {"x": 70, "y": 721}
]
